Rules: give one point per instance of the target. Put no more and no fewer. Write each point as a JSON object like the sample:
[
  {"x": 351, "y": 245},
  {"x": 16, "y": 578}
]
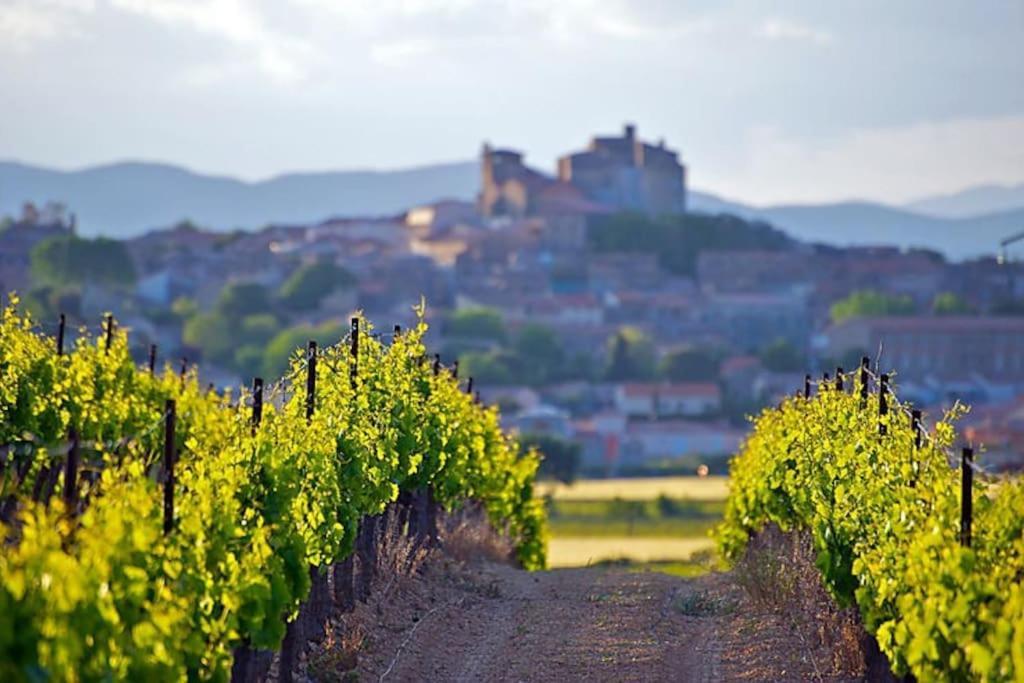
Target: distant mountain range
[
  {"x": 127, "y": 199},
  {"x": 130, "y": 198},
  {"x": 973, "y": 201},
  {"x": 870, "y": 223}
]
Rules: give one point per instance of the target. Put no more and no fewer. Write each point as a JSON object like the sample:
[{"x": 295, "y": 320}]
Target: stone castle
[{"x": 617, "y": 173}]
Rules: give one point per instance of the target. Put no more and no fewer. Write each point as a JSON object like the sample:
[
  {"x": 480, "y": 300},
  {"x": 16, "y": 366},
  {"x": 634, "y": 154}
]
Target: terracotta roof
[{"x": 738, "y": 364}]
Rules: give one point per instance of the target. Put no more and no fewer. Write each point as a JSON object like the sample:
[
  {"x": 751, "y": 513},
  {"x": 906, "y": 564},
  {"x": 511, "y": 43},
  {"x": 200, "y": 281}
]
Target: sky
[{"x": 767, "y": 102}]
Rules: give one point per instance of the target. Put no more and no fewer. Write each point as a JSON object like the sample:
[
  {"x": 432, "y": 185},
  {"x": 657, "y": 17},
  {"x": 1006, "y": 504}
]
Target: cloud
[
  {"x": 283, "y": 58},
  {"x": 401, "y": 52},
  {"x": 898, "y": 164},
  {"x": 785, "y": 29},
  {"x": 629, "y": 28},
  {"x": 25, "y": 24}
]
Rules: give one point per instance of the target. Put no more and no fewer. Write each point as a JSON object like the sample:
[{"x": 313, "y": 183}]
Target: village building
[{"x": 614, "y": 173}]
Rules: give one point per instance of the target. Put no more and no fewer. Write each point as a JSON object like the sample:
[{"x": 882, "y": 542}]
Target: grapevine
[
  {"x": 884, "y": 517},
  {"x": 97, "y": 590}
]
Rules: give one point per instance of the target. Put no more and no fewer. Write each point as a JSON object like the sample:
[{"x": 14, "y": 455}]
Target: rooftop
[{"x": 677, "y": 389}]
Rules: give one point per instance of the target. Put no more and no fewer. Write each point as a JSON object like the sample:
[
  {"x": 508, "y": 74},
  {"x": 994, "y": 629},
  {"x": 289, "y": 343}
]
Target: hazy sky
[{"x": 767, "y": 102}]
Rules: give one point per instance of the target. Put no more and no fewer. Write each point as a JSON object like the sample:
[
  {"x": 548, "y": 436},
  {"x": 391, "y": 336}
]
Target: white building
[{"x": 654, "y": 400}]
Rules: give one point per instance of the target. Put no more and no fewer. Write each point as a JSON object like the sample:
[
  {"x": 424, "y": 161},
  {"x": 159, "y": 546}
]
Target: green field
[
  {"x": 643, "y": 488},
  {"x": 655, "y": 524},
  {"x": 580, "y": 552}
]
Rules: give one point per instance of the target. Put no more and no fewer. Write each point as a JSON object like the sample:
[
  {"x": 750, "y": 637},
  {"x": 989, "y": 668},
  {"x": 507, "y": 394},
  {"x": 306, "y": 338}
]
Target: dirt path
[{"x": 496, "y": 623}]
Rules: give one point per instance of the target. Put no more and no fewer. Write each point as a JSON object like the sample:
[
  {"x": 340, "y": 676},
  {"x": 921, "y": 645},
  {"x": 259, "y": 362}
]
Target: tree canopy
[
  {"x": 947, "y": 303},
  {"x": 476, "y": 323},
  {"x": 240, "y": 299},
  {"x": 678, "y": 239},
  {"x": 690, "y": 364},
  {"x": 541, "y": 352},
  {"x": 630, "y": 356},
  {"x": 495, "y": 367},
  {"x": 310, "y": 283},
  {"x": 561, "y": 457},
  {"x": 73, "y": 261},
  {"x": 211, "y": 333},
  {"x": 782, "y": 356},
  {"x": 286, "y": 342},
  {"x": 867, "y": 302}
]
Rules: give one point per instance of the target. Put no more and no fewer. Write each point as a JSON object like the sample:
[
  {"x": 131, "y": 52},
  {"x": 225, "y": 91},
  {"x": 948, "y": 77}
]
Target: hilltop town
[{"x": 588, "y": 303}]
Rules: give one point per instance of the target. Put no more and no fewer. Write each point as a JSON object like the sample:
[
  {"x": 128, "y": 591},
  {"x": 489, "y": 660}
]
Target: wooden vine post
[
  {"x": 310, "y": 380},
  {"x": 257, "y": 403},
  {"x": 110, "y": 333},
  {"x": 60, "y": 334},
  {"x": 170, "y": 418},
  {"x": 966, "y": 495},
  {"x": 883, "y": 403},
  {"x": 354, "y": 350},
  {"x": 864, "y": 363}
]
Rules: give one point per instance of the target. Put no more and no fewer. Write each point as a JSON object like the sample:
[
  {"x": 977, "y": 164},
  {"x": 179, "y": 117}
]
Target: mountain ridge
[
  {"x": 971, "y": 201},
  {"x": 127, "y": 198}
]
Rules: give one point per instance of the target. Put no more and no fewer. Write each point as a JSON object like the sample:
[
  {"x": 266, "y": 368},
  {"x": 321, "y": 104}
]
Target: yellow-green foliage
[
  {"x": 885, "y": 522},
  {"x": 107, "y": 595}
]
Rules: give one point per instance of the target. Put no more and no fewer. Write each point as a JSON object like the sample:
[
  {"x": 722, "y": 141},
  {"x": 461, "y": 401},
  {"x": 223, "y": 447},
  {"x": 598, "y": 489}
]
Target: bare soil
[
  {"x": 487, "y": 621},
  {"x": 459, "y": 611}
]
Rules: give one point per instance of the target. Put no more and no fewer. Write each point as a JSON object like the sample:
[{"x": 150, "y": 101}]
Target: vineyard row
[{"x": 158, "y": 531}]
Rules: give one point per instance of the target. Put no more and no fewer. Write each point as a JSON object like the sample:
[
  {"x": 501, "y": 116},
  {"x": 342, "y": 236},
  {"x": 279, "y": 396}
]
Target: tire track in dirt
[
  {"x": 490, "y": 622},
  {"x": 565, "y": 625}
]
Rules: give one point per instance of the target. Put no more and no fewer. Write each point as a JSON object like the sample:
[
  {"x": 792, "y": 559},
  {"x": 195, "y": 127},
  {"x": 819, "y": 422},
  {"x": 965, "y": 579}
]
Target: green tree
[
  {"x": 476, "y": 323},
  {"x": 213, "y": 334},
  {"x": 260, "y": 328},
  {"x": 310, "y": 283},
  {"x": 47, "y": 302},
  {"x": 496, "y": 367},
  {"x": 540, "y": 353},
  {"x": 678, "y": 239},
  {"x": 248, "y": 360},
  {"x": 561, "y": 457},
  {"x": 72, "y": 261},
  {"x": 782, "y": 356},
  {"x": 240, "y": 299},
  {"x": 948, "y": 303},
  {"x": 868, "y": 302},
  {"x": 630, "y": 356},
  {"x": 287, "y": 342},
  {"x": 689, "y": 364},
  {"x": 184, "y": 307}
]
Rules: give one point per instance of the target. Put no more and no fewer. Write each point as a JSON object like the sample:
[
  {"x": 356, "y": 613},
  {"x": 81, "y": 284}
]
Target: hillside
[
  {"x": 130, "y": 198},
  {"x": 127, "y": 199},
  {"x": 868, "y": 223},
  {"x": 972, "y": 201}
]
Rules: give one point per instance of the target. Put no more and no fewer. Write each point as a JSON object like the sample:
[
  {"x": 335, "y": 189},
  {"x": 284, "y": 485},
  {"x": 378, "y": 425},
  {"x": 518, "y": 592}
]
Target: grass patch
[
  {"x": 589, "y": 551},
  {"x": 686, "y": 569},
  {"x": 702, "y": 604},
  {"x": 639, "y": 528},
  {"x": 658, "y": 532},
  {"x": 663, "y": 517},
  {"x": 662, "y": 506},
  {"x": 641, "y": 488}
]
